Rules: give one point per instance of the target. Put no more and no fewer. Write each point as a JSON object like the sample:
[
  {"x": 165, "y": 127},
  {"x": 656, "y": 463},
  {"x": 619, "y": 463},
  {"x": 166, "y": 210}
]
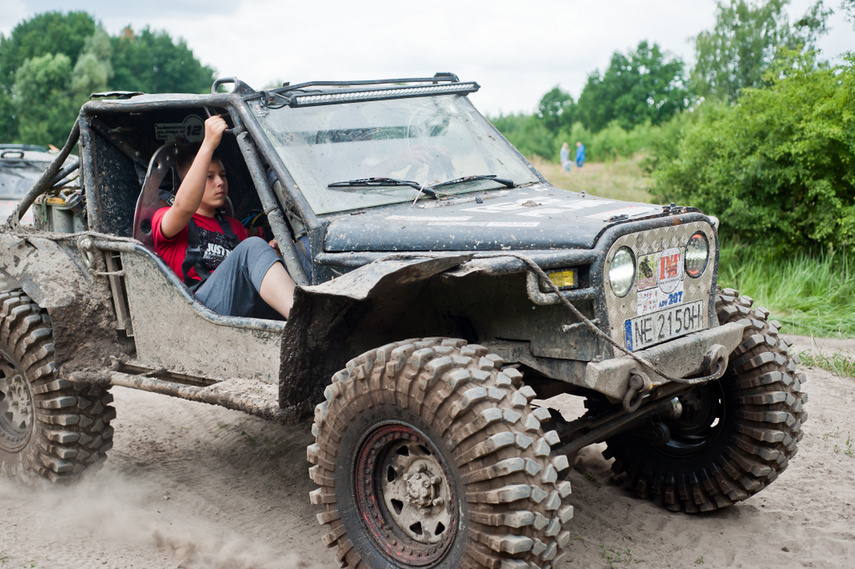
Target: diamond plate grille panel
[{"x": 648, "y": 243}]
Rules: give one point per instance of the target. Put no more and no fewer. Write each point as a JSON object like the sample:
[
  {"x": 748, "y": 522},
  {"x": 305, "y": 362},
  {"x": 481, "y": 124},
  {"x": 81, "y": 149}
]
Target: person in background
[
  {"x": 580, "y": 154},
  {"x": 564, "y": 156},
  {"x": 229, "y": 272}
]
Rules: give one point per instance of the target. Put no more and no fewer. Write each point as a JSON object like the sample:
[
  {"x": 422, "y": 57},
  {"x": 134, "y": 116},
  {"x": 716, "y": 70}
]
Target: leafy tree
[
  {"x": 93, "y": 69},
  {"x": 777, "y": 167},
  {"x": 8, "y": 120},
  {"x": 743, "y": 44},
  {"x": 45, "y": 34},
  {"x": 151, "y": 62},
  {"x": 48, "y": 33},
  {"x": 849, "y": 7},
  {"x": 556, "y": 110},
  {"x": 51, "y": 63},
  {"x": 41, "y": 101},
  {"x": 640, "y": 86}
]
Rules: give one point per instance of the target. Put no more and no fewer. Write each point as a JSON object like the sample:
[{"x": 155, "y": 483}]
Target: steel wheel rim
[
  {"x": 17, "y": 409},
  {"x": 404, "y": 495}
]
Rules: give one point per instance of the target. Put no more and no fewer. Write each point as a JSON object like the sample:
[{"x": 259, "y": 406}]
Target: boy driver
[{"x": 230, "y": 272}]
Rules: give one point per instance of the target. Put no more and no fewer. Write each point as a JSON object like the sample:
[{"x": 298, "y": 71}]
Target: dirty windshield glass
[{"x": 426, "y": 140}]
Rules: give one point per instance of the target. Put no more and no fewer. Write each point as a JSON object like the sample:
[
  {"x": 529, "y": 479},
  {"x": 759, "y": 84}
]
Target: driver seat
[{"x": 149, "y": 201}]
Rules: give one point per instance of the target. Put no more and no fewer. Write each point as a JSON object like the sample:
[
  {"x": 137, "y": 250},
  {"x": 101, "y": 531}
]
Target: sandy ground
[{"x": 193, "y": 486}]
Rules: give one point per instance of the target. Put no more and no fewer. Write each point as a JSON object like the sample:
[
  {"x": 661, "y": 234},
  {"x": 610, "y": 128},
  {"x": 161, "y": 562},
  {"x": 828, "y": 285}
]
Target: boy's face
[{"x": 216, "y": 185}]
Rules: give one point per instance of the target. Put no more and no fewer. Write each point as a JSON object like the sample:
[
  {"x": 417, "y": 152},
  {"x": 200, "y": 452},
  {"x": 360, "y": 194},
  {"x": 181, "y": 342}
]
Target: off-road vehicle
[{"x": 446, "y": 292}]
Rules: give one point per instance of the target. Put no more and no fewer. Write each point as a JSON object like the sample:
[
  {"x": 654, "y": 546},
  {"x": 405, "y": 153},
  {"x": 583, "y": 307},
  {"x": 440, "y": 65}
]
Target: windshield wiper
[
  {"x": 505, "y": 182},
  {"x": 384, "y": 182}
]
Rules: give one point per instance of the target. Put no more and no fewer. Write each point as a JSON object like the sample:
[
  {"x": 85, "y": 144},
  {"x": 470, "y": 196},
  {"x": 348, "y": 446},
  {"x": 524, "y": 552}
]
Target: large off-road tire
[
  {"x": 429, "y": 455},
  {"x": 50, "y": 428},
  {"x": 736, "y": 434}
]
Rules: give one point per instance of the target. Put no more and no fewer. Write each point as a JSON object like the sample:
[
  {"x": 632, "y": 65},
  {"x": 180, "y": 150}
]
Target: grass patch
[
  {"x": 809, "y": 295},
  {"x": 613, "y": 557},
  {"x": 619, "y": 180},
  {"x": 846, "y": 446},
  {"x": 838, "y": 363}
]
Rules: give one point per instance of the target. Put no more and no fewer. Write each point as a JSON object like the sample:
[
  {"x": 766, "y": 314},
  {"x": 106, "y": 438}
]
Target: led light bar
[{"x": 309, "y": 100}]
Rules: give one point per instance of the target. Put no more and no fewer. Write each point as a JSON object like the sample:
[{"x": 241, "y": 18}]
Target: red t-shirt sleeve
[{"x": 172, "y": 250}]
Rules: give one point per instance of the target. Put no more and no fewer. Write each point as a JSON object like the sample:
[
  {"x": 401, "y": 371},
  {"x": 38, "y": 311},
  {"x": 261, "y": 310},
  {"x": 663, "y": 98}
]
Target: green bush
[{"x": 778, "y": 167}]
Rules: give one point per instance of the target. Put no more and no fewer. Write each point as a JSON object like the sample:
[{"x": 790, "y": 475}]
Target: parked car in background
[{"x": 20, "y": 167}]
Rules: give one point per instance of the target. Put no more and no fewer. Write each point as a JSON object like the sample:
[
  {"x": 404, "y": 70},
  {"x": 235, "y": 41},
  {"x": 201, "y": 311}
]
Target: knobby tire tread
[
  {"x": 767, "y": 424},
  {"x": 509, "y": 478},
  {"x": 71, "y": 426}
]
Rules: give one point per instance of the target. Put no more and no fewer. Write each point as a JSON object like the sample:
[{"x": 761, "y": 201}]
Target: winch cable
[{"x": 535, "y": 268}]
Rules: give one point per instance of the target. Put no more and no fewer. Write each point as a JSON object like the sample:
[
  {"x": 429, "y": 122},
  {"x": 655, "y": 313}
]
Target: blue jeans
[{"x": 233, "y": 288}]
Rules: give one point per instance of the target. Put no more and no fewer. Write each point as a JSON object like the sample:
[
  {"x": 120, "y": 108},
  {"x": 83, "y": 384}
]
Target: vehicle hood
[{"x": 532, "y": 218}]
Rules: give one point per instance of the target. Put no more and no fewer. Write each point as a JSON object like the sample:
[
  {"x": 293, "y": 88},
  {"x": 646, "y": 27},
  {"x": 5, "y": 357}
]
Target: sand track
[{"x": 192, "y": 486}]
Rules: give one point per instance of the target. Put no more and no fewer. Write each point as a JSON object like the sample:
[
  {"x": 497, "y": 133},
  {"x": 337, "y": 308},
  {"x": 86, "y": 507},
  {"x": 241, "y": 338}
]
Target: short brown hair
[{"x": 185, "y": 156}]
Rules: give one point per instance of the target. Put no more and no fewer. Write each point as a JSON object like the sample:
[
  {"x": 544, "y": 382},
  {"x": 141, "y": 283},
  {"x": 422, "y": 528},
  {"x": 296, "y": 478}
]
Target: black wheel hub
[
  {"x": 17, "y": 410},
  {"x": 701, "y": 423},
  {"x": 404, "y": 495}
]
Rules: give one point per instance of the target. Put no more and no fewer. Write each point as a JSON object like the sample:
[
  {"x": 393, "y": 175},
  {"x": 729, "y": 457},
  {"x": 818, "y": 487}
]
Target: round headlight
[
  {"x": 697, "y": 254},
  {"x": 622, "y": 271}
]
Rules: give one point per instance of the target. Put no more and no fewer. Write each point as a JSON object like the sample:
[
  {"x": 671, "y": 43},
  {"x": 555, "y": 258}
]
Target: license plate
[{"x": 658, "y": 327}]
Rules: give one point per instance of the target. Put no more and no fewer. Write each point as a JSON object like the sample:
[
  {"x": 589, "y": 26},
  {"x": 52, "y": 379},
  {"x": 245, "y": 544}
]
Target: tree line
[
  {"x": 759, "y": 132},
  {"x": 51, "y": 63},
  {"x": 647, "y": 87}
]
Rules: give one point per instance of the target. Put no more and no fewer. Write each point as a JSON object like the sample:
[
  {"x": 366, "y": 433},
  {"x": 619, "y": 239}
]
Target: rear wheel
[
  {"x": 49, "y": 427},
  {"x": 735, "y": 435},
  {"x": 428, "y": 455}
]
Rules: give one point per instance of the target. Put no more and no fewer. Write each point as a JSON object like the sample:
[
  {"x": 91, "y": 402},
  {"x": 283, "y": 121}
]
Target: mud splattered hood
[{"x": 538, "y": 217}]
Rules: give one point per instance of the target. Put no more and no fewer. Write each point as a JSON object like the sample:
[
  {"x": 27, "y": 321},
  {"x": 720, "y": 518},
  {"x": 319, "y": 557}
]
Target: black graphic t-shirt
[{"x": 215, "y": 248}]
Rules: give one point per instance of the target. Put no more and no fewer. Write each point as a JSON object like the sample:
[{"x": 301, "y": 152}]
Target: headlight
[
  {"x": 697, "y": 254},
  {"x": 622, "y": 271}
]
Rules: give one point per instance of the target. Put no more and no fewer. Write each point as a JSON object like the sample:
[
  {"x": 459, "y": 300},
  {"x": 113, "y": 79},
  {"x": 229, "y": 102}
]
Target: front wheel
[
  {"x": 50, "y": 428},
  {"x": 427, "y": 455},
  {"x": 735, "y": 434}
]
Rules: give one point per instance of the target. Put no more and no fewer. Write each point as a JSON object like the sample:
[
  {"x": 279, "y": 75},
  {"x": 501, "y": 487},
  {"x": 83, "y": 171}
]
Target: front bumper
[{"x": 681, "y": 357}]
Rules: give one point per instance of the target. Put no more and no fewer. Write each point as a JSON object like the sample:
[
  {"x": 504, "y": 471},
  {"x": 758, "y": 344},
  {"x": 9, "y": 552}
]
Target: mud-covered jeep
[{"x": 446, "y": 293}]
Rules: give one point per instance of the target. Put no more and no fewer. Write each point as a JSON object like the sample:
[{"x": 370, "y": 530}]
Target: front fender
[{"x": 337, "y": 320}]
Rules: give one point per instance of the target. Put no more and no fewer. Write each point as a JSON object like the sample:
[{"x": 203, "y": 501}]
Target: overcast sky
[{"x": 516, "y": 49}]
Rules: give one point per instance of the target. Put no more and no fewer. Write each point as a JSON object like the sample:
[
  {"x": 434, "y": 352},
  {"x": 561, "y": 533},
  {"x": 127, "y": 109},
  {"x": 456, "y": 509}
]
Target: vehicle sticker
[
  {"x": 670, "y": 269},
  {"x": 191, "y": 130},
  {"x": 660, "y": 280},
  {"x": 485, "y": 223},
  {"x": 513, "y": 224},
  {"x": 629, "y": 211},
  {"x": 428, "y": 219},
  {"x": 647, "y": 266},
  {"x": 523, "y": 206},
  {"x": 655, "y": 299},
  {"x": 541, "y": 211}
]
